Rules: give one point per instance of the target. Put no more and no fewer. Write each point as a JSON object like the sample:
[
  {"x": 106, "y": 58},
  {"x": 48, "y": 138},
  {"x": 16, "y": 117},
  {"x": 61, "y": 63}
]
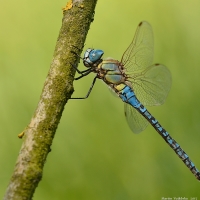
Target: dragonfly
[{"x": 137, "y": 82}]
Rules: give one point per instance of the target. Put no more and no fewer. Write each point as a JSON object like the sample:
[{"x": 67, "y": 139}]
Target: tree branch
[{"x": 39, "y": 134}]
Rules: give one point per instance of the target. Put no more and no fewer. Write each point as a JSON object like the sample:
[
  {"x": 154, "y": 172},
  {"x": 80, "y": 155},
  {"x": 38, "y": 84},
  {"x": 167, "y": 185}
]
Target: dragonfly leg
[
  {"x": 77, "y": 47},
  {"x": 83, "y": 73},
  {"x": 76, "y": 55},
  {"x": 80, "y": 72},
  {"x": 89, "y": 91}
]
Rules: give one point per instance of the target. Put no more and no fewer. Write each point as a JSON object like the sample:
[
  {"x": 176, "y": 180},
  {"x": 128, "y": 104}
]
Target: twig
[{"x": 39, "y": 134}]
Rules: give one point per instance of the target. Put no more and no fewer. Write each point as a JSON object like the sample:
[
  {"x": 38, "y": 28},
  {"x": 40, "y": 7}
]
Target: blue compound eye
[
  {"x": 95, "y": 55},
  {"x": 91, "y": 56}
]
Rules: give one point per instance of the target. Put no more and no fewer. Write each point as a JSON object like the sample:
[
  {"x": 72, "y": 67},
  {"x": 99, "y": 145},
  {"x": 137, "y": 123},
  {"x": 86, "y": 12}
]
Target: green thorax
[{"x": 111, "y": 72}]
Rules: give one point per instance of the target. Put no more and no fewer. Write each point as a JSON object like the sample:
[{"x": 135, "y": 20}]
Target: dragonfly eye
[
  {"x": 86, "y": 63},
  {"x": 92, "y": 56}
]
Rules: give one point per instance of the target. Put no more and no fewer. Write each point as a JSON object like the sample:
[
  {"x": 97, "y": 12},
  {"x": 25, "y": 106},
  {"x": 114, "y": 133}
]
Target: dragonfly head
[{"x": 92, "y": 57}]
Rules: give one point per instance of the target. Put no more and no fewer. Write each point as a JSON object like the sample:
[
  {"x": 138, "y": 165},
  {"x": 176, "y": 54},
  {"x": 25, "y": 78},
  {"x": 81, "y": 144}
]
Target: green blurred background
[{"x": 94, "y": 154}]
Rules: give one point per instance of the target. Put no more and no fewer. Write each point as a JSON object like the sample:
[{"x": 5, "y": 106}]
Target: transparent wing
[
  {"x": 139, "y": 54},
  {"x": 135, "y": 120},
  {"x": 152, "y": 85}
]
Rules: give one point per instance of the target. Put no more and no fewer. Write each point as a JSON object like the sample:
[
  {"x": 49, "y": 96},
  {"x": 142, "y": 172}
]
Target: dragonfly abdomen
[
  {"x": 128, "y": 96},
  {"x": 169, "y": 140}
]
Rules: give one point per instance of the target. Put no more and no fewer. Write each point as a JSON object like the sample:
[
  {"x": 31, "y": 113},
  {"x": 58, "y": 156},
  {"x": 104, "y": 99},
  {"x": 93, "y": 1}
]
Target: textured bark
[{"x": 39, "y": 134}]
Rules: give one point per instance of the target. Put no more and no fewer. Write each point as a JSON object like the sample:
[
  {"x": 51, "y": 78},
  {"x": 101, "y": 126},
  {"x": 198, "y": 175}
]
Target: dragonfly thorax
[
  {"x": 92, "y": 57},
  {"x": 111, "y": 72}
]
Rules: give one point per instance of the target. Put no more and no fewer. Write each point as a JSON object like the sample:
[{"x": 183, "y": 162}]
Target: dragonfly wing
[
  {"x": 136, "y": 121},
  {"x": 139, "y": 54},
  {"x": 152, "y": 85}
]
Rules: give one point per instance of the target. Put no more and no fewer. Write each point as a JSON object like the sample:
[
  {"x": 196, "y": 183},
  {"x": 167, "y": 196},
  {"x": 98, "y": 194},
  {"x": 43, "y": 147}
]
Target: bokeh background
[{"x": 94, "y": 154}]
